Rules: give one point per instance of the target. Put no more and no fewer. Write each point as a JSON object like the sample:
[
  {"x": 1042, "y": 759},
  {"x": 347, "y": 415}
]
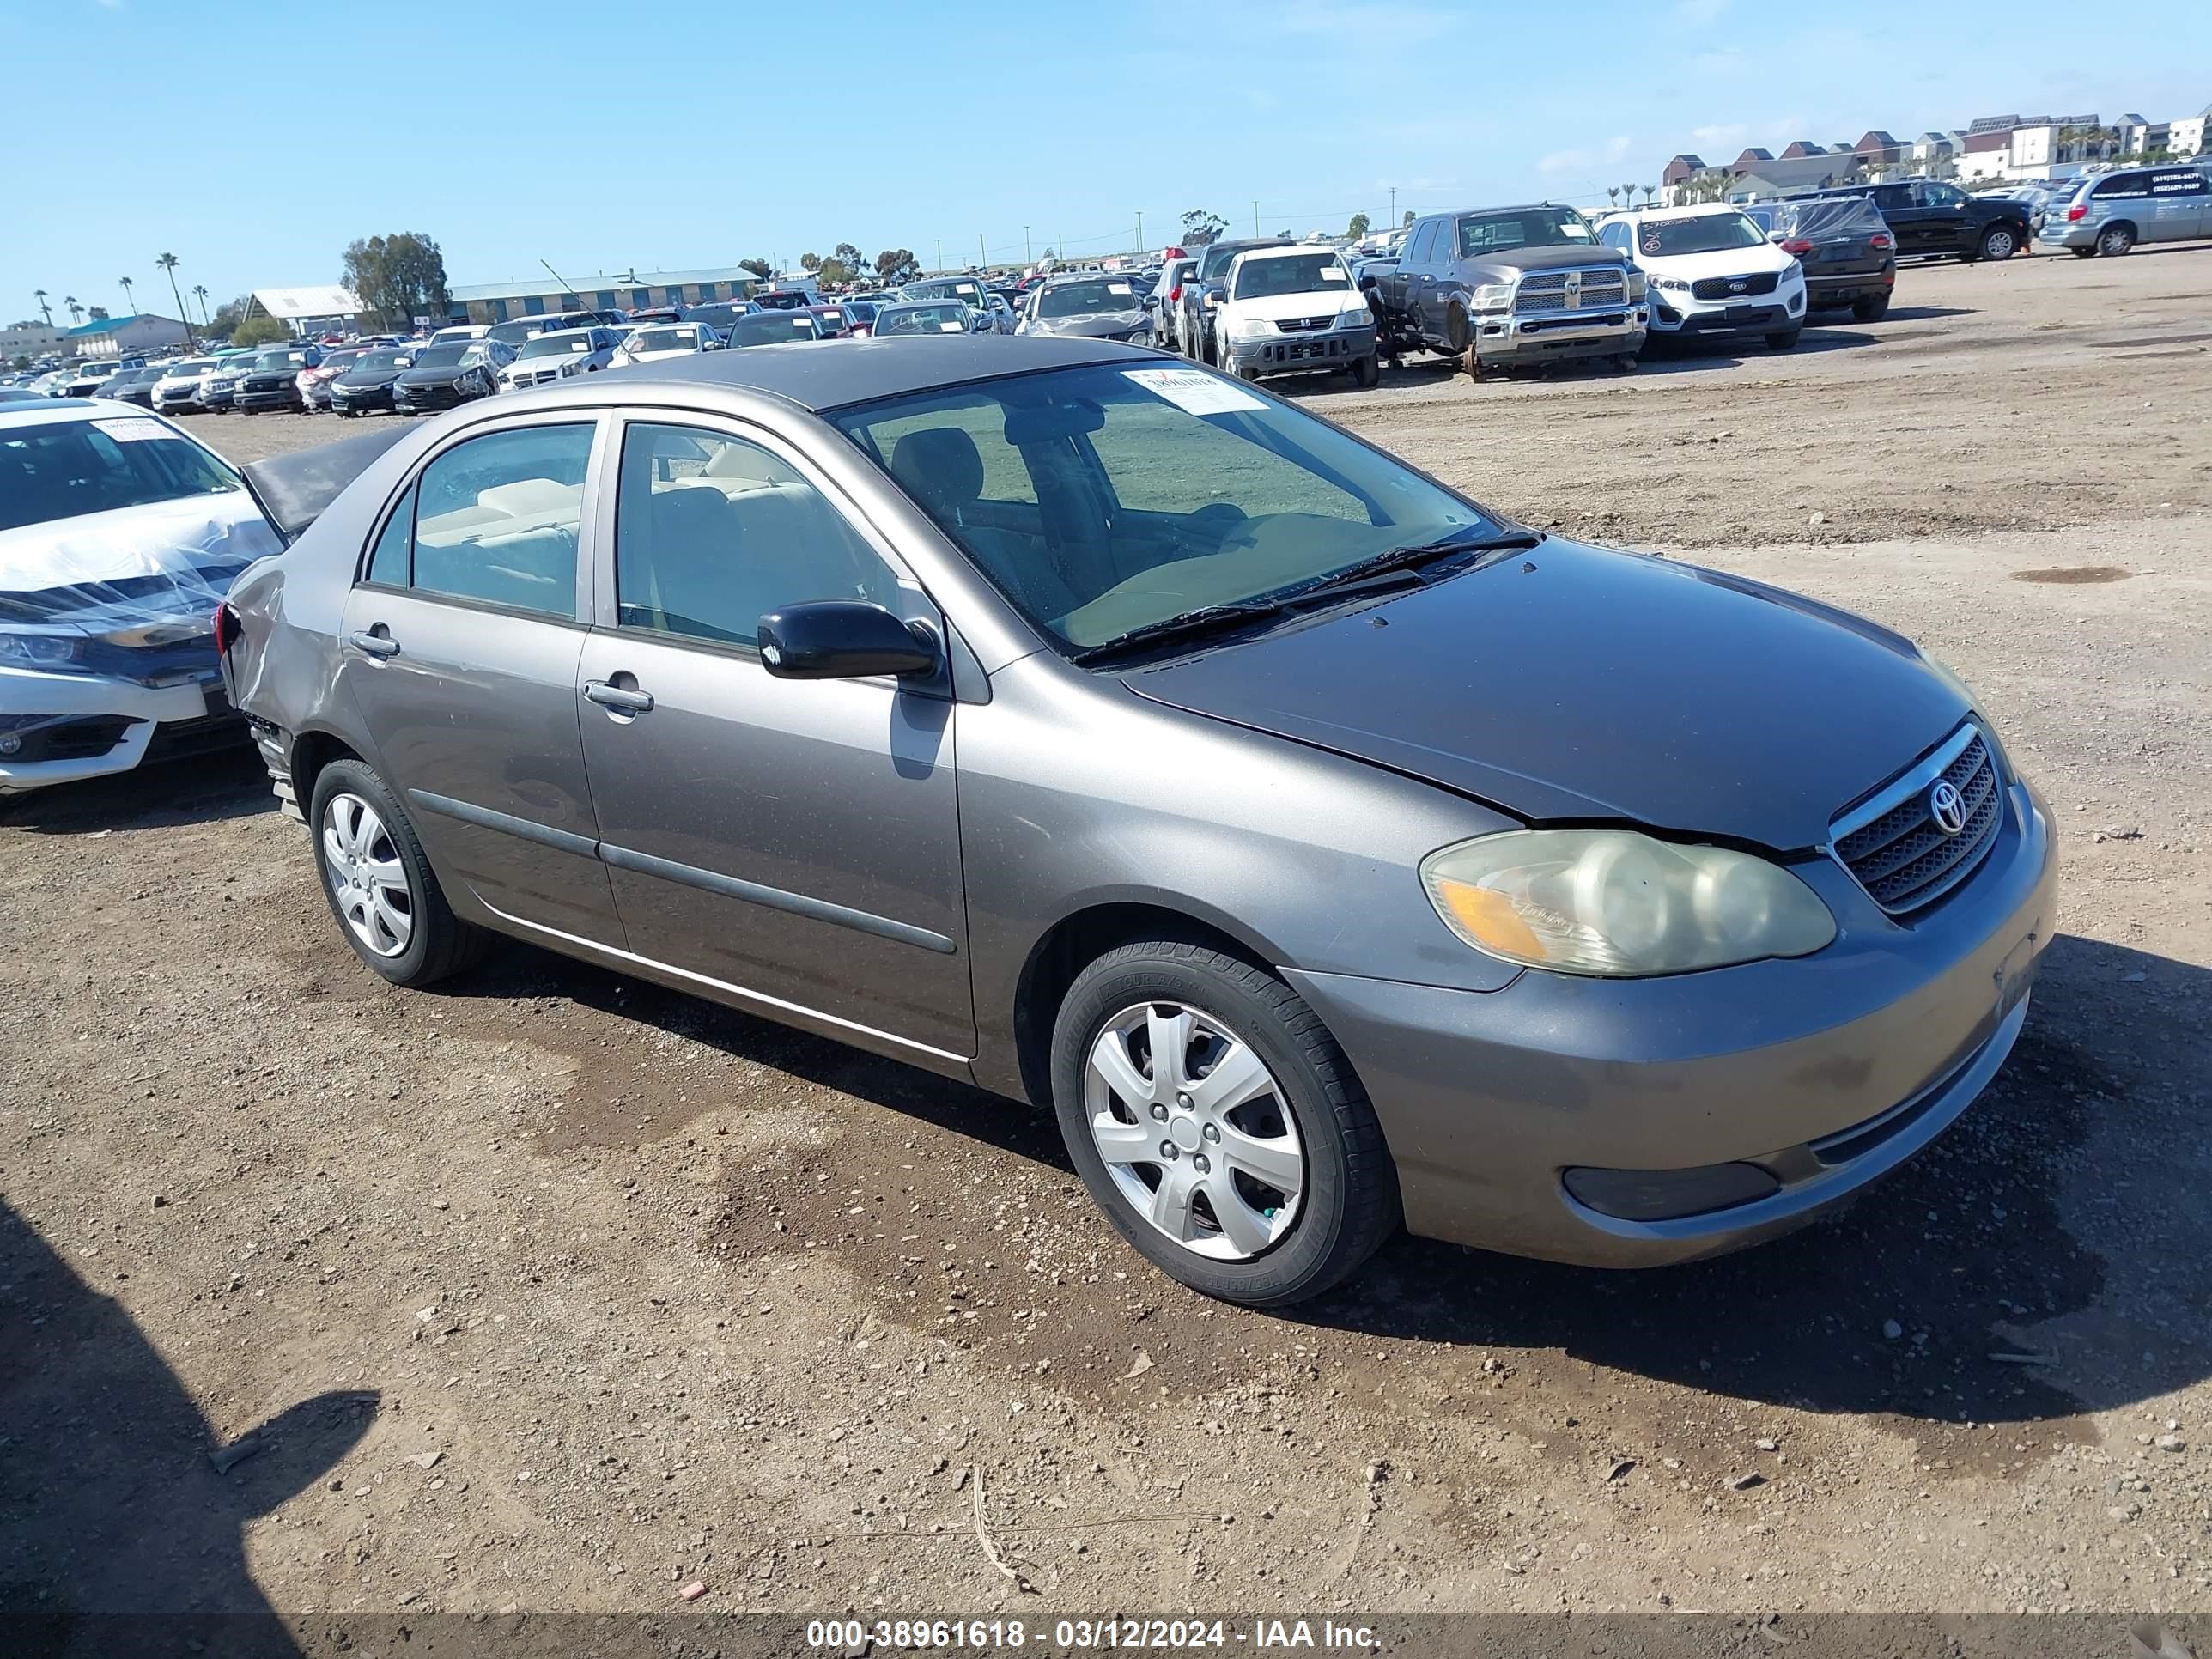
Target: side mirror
[{"x": 842, "y": 640}]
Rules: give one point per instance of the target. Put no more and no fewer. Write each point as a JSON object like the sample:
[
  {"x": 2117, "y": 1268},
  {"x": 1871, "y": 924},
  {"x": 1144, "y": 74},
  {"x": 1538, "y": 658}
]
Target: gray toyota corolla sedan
[{"x": 1324, "y": 849}]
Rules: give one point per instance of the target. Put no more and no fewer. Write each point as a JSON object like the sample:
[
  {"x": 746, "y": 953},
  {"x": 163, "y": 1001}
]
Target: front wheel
[
  {"x": 378, "y": 883},
  {"x": 1782, "y": 339},
  {"x": 1367, "y": 371},
  {"x": 2000, "y": 242},
  {"x": 2085, "y": 252},
  {"x": 1217, "y": 1124}
]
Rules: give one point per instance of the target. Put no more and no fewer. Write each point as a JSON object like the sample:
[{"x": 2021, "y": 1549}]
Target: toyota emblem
[{"x": 1947, "y": 806}]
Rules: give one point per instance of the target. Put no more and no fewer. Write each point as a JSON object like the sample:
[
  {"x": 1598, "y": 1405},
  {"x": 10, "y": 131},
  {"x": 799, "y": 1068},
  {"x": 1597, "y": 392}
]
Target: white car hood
[
  {"x": 1310, "y": 303},
  {"x": 621, "y": 357},
  {"x": 166, "y": 563},
  {"x": 1726, "y": 262}
]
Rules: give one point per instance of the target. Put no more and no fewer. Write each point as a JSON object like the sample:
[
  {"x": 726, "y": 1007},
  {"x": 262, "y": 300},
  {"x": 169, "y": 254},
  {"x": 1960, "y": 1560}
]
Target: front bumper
[
  {"x": 1823, "y": 1073},
  {"x": 1676, "y": 312},
  {"x": 287, "y": 398},
  {"x": 101, "y": 727},
  {"x": 352, "y": 402},
  {"x": 1304, "y": 352},
  {"x": 1511, "y": 338},
  {"x": 415, "y": 398}
]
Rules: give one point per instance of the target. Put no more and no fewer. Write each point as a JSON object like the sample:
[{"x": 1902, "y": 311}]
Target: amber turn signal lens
[{"x": 1491, "y": 918}]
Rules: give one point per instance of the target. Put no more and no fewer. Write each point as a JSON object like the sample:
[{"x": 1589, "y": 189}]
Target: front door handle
[
  {"x": 615, "y": 696},
  {"x": 379, "y": 646}
]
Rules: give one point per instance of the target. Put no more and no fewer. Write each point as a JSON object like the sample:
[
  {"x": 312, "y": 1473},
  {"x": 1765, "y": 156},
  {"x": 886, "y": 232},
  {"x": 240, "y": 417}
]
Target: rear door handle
[
  {"x": 377, "y": 646},
  {"x": 615, "y": 696}
]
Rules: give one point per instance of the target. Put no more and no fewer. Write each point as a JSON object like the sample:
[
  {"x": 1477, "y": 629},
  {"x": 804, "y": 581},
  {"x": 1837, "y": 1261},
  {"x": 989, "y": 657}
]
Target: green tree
[
  {"x": 760, "y": 268},
  {"x": 810, "y": 262},
  {"x": 1358, "y": 228},
  {"x": 850, "y": 257},
  {"x": 227, "y": 316},
  {"x": 167, "y": 262},
  {"x": 1407, "y": 220},
  {"x": 897, "y": 264},
  {"x": 20, "y": 363},
  {"x": 398, "y": 277},
  {"x": 262, "y": 330},
  {"x": 834, "y": 272},
  {"x": 1201, "y": 227}
]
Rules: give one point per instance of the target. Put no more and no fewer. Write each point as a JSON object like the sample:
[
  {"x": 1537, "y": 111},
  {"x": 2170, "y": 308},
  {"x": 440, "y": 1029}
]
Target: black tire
[
  {"x": 1871, "y": 311},
  {"x": 1350, "y": 1203},
  {"x": 2000, "y": 242},
  {"x": 1784, "y": 339},
  {"x": 2088, "y": 253},
  {"x": 1624, "y": 363},
  {"x": 2113, "y": 240},
  {"x": 1248, "y": 373},
  {"x": 1367, "y": 371},
  {"x": 442, "y": 944}
]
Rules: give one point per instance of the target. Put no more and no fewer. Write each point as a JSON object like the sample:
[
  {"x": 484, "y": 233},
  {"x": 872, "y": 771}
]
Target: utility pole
[
  {"x": 1393, "y": 207},
  {"x": 1140, "y": 233},
  {"x": 983, "y": 254},
  {"x": 1256, "y": 218},
  {"x": 940, "y": 253},
  {"x": 1026, "y": 246}
]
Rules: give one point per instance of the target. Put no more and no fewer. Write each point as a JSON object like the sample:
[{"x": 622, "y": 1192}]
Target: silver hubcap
[
  {"x": 365, "y": 876},
  {"x": 1193, "y": 1130},
  {"x": 1999, "y": 245}
]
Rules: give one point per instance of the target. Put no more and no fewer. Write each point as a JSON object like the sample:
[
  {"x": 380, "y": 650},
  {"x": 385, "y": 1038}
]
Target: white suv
[
  {"x": 1712, "y": 273},
  {"x": 1294, "y": 311}
]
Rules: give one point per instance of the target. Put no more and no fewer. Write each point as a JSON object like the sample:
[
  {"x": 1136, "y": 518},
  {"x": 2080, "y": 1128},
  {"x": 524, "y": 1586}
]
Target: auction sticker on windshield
[
  {"x": 132, "y": 431},
  {"x": 1194, "y": 392}
]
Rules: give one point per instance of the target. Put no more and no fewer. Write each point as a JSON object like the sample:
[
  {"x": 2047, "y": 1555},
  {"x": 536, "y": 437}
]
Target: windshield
[
  {"x": 555, "y": 345},
  {"x": 773, "y": 328},
  {"x": 281, "y": 360},
  {"x": 948, "y": 289},
  {"x": 663, "y": 339},
  {"x": 383, "y": 360},
  {"x": 1705, "y": 233},
  {"x": 1539, "y": 226},
  {"x": 1081, "y": 298},
  {"x": 1296, "y": 273},
  {"x": 783, "y": 300},
  {"x": 449, "y": 356},
  {"x": 943, "y": 317},
  {"x": 197, "y": 366},
  {"x": 516, "y": 332},
  {"x": 1101, "y": 499},
  {"x": 67, "y": 469}
]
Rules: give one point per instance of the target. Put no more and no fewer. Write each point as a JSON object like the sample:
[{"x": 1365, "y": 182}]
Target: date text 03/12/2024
[{"x": 1085, "y": 1635}]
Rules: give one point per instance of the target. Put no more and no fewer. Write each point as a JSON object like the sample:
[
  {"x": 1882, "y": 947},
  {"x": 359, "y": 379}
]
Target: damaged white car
[{"x": 119, "y": 534}]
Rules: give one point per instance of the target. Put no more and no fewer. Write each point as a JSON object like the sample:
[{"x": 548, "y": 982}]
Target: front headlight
[
  {"x": 1493, "y": 296},
  {"x": 38, "y": 650},
  {"x": 1672, "y": 284},
  {"x": 1618, "y": 904},
  {"x": 1638, "y": 287},
  {"x": 1354, "y": 317},
  {"x": 1250, "y": 328}
]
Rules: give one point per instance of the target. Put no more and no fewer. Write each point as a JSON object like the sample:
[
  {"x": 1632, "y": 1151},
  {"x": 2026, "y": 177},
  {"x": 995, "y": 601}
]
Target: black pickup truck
[
  {"x": 1509, "y": 287},
  {"x": 1933, "y": 220}
]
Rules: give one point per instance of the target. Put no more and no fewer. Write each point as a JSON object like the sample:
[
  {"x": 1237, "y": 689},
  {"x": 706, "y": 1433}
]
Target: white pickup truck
[{"x": 1295, "y": 311}]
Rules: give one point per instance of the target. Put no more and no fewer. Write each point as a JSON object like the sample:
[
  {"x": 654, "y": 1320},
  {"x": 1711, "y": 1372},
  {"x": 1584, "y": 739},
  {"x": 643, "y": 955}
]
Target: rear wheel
[
  {"x": 378, "y": 883},
  {"x": 1871, "y": 311},
  {"x": 1217, "y": 1124},
  {"x": 2116, "y": 240}
]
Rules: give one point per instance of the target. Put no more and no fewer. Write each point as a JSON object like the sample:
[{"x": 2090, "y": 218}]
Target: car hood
[
  {"x": 359, "y": 379},
  {"x": 1312, "y": 302},
  {"x": 1546, "y": 258},
  {"x": 445, "y": 376},
  {"x": 1095, "y": 325},
  {"x": 1723, "y": 261},
  {"x": 134, "y": 589},
  {"x": 1572, "y": 683}
]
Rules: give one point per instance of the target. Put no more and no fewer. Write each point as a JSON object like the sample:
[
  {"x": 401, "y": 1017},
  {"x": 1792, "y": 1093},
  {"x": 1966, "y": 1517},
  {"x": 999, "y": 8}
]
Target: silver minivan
[{"x": 2113, "y": 211}]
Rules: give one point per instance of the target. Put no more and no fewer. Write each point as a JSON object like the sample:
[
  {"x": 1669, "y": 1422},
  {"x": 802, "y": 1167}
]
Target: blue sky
[{"x": 598, "y": 137}]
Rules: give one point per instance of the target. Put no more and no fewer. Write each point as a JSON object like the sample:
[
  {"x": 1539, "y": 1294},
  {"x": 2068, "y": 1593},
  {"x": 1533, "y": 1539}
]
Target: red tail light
[
  {"x": 2079, "y": 210},
  {"x": 228, "y": 630},
  {"x": 1174, "y": 294},
  {"x": 1797, "y": 245},
  {"x": 1878, "y": 240}
]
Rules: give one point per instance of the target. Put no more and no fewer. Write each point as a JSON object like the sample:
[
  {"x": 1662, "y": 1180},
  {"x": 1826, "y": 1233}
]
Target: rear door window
[{"x": 497, "y": 519}]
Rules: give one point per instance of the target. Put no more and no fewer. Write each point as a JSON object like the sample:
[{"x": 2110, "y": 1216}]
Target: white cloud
[{"x": 1615, "y": 148}]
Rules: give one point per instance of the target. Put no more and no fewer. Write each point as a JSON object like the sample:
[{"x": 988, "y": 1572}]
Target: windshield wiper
[
  {"x": 1206, "y": 619},
  {"x": 1413, "y": 557}
]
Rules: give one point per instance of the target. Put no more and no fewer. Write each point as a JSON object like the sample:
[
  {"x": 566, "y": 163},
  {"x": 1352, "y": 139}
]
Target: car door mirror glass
[{"x": 843, "y": 639}]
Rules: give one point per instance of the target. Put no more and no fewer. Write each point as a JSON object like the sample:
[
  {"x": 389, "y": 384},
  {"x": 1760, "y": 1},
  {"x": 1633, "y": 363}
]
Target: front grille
[
  {"x": 1546, "y": 290},
  {"x": 1902, "y": 859},
  {"x": 1304, "y": 325},
  {"x": 1724, "y": 287}
]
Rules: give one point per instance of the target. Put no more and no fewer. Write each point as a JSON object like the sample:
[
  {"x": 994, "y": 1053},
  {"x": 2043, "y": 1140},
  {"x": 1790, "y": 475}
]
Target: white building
[
  {"x": 122, "y": 337},
  {"x": 308, "y": 309},
  {"x": 28, "y": 339},
  {"x": 2186, "y": 137}
]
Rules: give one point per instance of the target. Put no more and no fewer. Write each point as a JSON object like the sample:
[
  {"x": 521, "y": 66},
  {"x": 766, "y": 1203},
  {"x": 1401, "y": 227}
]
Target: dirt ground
[{"x": 551, "y": 1292}]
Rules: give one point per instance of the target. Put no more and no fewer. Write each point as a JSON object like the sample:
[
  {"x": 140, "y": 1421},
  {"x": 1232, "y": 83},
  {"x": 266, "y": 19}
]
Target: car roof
[
  {"x": 1689, "y": 210},
  {"x": 564, "y": 333},
  {"x": 821, "y": 375},
  {"x": 59, "y": 411}
]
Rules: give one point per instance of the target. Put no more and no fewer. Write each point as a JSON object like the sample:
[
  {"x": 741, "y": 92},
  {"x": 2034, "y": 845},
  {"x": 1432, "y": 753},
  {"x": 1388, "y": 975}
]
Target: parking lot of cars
[{"x": 629, "y": 1263}]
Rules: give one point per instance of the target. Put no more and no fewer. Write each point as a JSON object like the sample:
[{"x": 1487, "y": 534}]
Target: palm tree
[
  {"x": 70, "y": 304},
  {"x": 45, "y": 310},
  {"x": 130, "y": 309},
  {"x": 199, "y": 292},
  {"x": 1612, "y": 194},
  {"x": 1649, "y": 192},
  {"x": 168, "y": 261}
]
